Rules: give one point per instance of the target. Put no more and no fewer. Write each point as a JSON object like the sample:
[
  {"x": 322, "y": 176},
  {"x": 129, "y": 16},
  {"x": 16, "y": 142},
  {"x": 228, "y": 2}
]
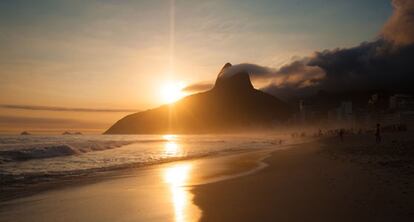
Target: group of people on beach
[
  {"x": 377, "y": 132},
  {"x": 341, "y": 132}
]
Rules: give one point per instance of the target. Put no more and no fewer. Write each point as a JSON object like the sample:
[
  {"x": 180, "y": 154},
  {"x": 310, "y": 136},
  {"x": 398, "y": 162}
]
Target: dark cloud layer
[
  {"x": 373, "y": 65},
  {"x": 64, "y": 109},
  {"x": 298, "y": 74},
  {"x": 383, "y": 64},
  {"x": 378, "y": 65}
]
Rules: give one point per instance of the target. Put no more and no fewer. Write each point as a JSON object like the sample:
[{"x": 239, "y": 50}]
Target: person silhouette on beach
[
  {"x": 320, "y": 133},
  {"x": 378, "y": 134},
  {"x": 341, "y": 135}
]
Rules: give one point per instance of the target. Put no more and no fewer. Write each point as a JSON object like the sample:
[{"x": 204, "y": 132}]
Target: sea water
[{"x": 32, "y": 158}]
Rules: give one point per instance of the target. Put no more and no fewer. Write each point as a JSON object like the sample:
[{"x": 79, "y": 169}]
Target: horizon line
[{"x": 64, "y": 109}]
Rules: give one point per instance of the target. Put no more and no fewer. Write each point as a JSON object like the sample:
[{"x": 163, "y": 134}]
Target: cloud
[
  {"x": 34, "y": 120},
  {"x": 198, "y": 87},
  {"x": 377, "y": 65},
  {"x": 13, "y": 122},
  {"x": 296, "y": 74},
  {"x": 383, "y": 64},
  {"x": 372, "y": 65},
  {"x": 64, "y": 109},
  {"x": 400, "y": 27},
  {"x": 254, "y": 70}
]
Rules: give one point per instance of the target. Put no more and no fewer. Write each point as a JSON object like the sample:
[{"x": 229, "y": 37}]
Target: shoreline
[
  {"x": 165, "y": 186},
  {"x": 14, "y": 191},
  {"x": 35, "y": 184}
]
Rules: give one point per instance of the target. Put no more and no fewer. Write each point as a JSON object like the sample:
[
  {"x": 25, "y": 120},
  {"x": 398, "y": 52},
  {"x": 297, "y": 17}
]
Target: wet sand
[
  {"x": 155, "y": 193},
  {"x": 306, "y": 183}
]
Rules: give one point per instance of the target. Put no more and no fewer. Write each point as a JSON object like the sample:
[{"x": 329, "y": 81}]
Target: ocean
[{"x": 34, "y": 158}]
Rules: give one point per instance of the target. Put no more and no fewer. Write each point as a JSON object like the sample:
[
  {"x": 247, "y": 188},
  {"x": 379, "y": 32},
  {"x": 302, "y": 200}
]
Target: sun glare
[{"x": 172, "y": 91}]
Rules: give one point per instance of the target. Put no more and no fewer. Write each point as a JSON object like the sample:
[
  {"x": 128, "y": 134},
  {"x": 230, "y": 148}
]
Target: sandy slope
[{"x": 307, "y": 183}]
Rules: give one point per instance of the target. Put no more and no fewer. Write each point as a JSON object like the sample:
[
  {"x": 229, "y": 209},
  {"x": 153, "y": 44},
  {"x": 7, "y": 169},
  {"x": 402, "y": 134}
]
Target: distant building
[
  {"x": 376, "y": 107},
  {"x": 392, "y": 111},
  {"x": 308, "y": 111},
  {"x": 399, "y": 118},
  {"x": 401, "y": 102},
  {"x": 401, "y": 111},
  {"x": 344, "y": 111}
]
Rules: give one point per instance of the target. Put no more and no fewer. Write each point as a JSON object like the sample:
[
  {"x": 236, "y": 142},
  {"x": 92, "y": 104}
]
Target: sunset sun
[{"x": 172, "y": 91}]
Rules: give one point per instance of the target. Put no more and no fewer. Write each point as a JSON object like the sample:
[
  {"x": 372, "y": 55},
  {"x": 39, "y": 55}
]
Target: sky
[{"x": 82, "y": 65}]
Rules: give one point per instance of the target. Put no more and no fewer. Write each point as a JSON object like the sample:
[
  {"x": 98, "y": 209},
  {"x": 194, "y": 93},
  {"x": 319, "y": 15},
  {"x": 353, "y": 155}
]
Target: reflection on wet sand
[{"x": 177, "y": 177}]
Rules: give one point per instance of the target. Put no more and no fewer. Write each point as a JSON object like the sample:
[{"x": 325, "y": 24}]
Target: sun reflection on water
[
  {"x": 171, "y": 147},
  {"x": 176, "y": 178},
  {"x": 169, "y": 137}
]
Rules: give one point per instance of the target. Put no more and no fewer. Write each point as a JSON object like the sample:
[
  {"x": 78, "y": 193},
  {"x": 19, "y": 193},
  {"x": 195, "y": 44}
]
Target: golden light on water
[
  {"x": 169, "y": 137},
  {"x": 176, "y": 178},
  {"x": 172, "y": 148}
]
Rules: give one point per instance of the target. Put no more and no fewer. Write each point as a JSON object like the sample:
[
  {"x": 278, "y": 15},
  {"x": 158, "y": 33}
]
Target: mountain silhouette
[{"x": 232, "y": 105}]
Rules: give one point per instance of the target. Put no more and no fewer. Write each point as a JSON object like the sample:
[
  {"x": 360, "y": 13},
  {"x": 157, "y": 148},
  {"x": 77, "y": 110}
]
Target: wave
[
  {"x": 10, "y": 179},
  {"x": 20, "y": 149},
  {"x": 37, "y": 153},
  {"x": 20, "y": 152},
  {"x": 30, "y": 160}
]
